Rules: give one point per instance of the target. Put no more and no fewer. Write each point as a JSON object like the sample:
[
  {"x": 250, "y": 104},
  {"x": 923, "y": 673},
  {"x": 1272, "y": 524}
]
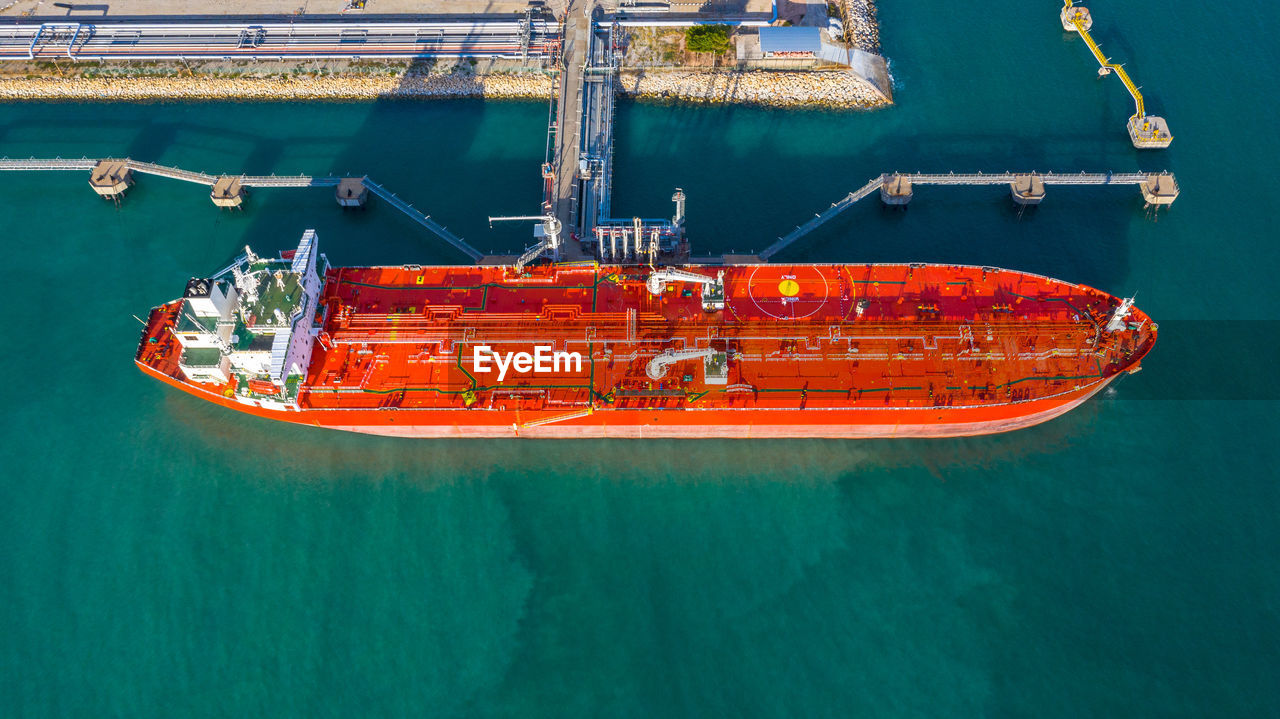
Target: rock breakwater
[
  {"x": 773, "y": 88},
  {"x": 757, "y": 87},
  {"x": 285, "y": 87},
  {"x": 862, "y": 27}
]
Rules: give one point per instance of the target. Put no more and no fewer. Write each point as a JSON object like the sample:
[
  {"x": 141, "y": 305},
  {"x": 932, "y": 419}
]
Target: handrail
[
  {"x": 423, "y": 220},
  {"x": 820, "y": 219},
  {"x": 1077, "y": 19},
  {"x": 200, "y": 178},
  {"x": 951, "y": 178}
]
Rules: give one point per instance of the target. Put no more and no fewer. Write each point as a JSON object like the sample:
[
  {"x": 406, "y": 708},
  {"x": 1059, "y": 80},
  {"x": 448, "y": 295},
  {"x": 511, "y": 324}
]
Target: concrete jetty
[
  {"x": 111, "y": 178},
  {"x": 895, "y": 191},
  {"x": 228, "y": 191},
  {"x": 351, "y": 192},
  {"x": 1027, "y": 189}
]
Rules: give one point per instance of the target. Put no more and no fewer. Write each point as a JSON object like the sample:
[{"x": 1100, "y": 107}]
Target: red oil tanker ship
[{"x": 594, "y": 350}]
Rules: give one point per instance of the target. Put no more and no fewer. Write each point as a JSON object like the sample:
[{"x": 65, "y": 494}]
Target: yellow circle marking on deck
[{"x": 775, "y": 291}]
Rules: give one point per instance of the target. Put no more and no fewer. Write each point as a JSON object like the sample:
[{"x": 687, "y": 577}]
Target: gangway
[
  {"x": 440, "y": 230},
  {"x": 822, "y": 217},
  {"x": 712, "y": 287},
  {"x": 1146, "y": 131}
]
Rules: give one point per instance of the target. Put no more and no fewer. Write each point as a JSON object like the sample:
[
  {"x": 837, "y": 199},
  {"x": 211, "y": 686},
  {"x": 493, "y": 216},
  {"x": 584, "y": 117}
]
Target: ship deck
[{"x": 808, "y": 336}]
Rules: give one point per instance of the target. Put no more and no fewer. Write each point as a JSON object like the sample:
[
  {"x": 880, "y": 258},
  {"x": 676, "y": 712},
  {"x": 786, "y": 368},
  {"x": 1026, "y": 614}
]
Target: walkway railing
[
  {"x": 440, "y": 230},
  {"x": 1004, "y": 178},
  {"x": 973, "y": 178},
  {"x": 821, "y": 218},
  {"x": 1077, "y": 18},
  {"x": 288, "y": 181},
  {"x": 173, "y": 173},
  {"x": 58, "y": 163},
  {"x": 200, "y": 178}
]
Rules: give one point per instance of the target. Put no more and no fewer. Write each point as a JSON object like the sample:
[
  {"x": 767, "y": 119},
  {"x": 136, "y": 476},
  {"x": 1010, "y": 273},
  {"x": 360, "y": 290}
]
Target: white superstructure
[{"x": 255, "y": 320}]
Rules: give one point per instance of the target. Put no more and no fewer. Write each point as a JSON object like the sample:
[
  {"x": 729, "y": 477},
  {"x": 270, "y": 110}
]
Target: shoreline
[
  {"x": 767, "y": 88},
  {"x": 830, "y": 89},
  {"x": 288, "y": 87}
]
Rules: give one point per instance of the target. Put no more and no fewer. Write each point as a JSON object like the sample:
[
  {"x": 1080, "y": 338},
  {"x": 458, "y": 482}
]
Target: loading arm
[
  {"x": 549, "y": 244},
  {"x": 657, "y": 367},
  {"x": 713, "y": 287}
]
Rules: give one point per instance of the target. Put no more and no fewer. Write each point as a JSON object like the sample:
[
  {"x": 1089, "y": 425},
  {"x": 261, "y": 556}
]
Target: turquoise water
[{"x": 160, "y": 557}]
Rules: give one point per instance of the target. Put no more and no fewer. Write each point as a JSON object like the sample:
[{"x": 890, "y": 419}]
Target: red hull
[
  {"x": 830, "y": 351},
  {"x": 688, "y": 424}
]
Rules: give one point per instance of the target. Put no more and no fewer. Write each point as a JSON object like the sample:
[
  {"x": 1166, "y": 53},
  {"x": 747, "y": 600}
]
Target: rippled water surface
[{"x": 160, "y": 557}]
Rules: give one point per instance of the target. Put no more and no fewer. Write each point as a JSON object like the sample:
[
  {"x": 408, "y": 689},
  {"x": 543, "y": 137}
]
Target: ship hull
[
  {"x": 738, "y": 423},
  {"x": 587, "y": 351}
]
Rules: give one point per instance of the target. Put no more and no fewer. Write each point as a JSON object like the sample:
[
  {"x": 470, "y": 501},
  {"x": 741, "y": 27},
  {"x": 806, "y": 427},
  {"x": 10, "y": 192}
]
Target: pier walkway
[
  {"x": 86, "y": 164},
  {"x": 173, "y": 173},
  {"x": 578, "y": 170},
  {"x": 1026, "y": 187},
  {"x": 440, "y": 230},
  {"x": 565, "y": 158},
  {"x": 1145, "y": 131}
]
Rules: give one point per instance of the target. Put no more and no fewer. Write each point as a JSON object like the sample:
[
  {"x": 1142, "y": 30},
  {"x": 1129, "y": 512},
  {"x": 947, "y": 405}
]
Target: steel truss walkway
[
  {"x": 200, "y": 178},
  {"x": 976, "y": 178}
]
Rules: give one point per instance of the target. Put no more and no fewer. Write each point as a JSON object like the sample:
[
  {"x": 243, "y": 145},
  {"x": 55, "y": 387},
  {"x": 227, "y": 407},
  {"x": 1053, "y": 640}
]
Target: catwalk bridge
[
  {"x": 1026, "y": 188},
  {"x": 173, "y": 173},
  {"x": 1145, "y": 131},
  {"x": 112, "y": 177}
]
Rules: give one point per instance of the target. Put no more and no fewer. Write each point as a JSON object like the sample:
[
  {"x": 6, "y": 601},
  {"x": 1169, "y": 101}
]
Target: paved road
[
  {"x": 154, "y": 9},
  {"x": 577, "y": 43},
  {"x": 145, "y": 41},
  {"x": 597, "y": 134}
]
